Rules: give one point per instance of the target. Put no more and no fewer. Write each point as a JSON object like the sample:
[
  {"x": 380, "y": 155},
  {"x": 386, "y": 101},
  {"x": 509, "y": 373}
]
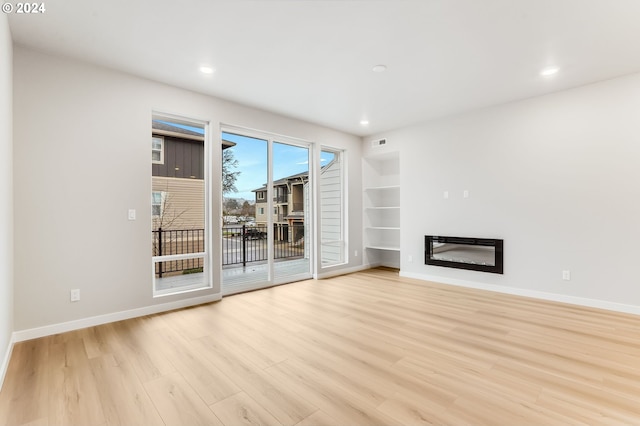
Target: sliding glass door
[{"x": 266, "y": 210}]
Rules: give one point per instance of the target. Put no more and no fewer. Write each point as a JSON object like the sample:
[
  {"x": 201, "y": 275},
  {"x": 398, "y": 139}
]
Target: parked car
[
  {"x": 254, "y": 234},
  {"x": 230, "y": 219}
]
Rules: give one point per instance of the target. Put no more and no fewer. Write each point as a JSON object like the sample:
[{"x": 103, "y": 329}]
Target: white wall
[
  {"x": 82, "y": 160},
  {"x": 557, "y": 177},
  {"x": 6, "y": 196}
]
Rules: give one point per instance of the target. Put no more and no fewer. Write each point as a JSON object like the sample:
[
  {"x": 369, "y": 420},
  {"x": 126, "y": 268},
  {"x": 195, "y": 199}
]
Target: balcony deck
[{"x": 236, "y": 278}]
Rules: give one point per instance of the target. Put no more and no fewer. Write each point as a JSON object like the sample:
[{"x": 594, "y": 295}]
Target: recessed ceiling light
[
  {"x": 206, "y": 70},
  {"x": 364, "y": 122},
  {"x": 379, "y": 68},
  {"x": 549, "y": 71}
]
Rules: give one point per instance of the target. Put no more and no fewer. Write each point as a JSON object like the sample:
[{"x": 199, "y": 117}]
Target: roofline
[
  {"x": 225, "y": 143},
  {"x": 177, "y": 135}
]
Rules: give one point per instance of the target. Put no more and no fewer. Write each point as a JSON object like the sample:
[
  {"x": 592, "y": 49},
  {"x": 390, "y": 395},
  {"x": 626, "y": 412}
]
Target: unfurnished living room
[{"x": 319, "y": 212}]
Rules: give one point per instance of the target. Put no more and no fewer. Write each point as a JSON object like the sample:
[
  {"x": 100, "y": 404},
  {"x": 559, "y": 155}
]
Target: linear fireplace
[{"x": 477, "y": 254}]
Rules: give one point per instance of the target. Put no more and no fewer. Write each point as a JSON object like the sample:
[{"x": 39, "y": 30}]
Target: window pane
[
  {"x": 177, "y": 207},
  {"x": 291, "y": 215}
]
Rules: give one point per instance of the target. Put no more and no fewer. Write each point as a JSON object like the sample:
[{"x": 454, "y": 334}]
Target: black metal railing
[
  {"x": 244, "y": 244},
  {"x": 178, "y": 241},
  {"x": 241, "y": 244}
]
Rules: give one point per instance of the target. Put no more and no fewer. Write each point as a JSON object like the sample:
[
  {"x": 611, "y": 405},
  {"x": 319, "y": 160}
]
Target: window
[
  {"x": 261, "y": 210},
  {"x": 157, "y": 203},
  {"x": 260, "y": 195},
  {"x": 180, "y": 246},
  {"x": 157, "y": 150}
]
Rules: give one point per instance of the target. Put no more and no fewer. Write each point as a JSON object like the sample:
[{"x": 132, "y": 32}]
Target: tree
[
  {"x": 229, "y": 176},
  {"x": 167, "y": 218},
  {"x": 247, "y": 209},
  {"x": 232, "y": 204}
]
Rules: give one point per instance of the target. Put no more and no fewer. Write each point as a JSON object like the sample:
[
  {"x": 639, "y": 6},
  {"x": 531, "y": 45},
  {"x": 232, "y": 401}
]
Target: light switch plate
[{"x": 132, "y": 214}]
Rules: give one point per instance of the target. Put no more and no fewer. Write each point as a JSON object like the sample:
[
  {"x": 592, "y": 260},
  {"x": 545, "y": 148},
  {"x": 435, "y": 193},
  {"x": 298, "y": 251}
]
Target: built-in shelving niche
[{"x": 381, "y": 177}]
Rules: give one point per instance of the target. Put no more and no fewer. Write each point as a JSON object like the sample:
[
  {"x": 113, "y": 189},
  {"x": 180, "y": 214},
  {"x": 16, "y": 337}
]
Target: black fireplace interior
[{"x": 476, "y": 254}]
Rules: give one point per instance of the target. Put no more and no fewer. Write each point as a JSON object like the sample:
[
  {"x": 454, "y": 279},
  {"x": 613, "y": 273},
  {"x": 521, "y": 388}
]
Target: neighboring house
[
  {"x": 177, "y": 157},
  {"x": 290, "y": 195},
  {"x": 288, "y": 207}
]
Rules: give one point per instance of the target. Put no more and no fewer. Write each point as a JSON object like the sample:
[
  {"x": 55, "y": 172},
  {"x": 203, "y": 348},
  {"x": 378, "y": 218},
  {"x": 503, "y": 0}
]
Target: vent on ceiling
[{"x": 379, "y": 142}]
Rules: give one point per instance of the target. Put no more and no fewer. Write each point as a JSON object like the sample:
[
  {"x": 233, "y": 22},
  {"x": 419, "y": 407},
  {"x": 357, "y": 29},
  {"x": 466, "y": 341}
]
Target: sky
[{"x": 251, "y": 154}]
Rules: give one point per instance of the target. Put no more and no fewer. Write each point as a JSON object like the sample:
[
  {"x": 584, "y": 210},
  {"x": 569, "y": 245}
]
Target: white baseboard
[
  {"x": 48, "y": 330},
  {"x": 341, "y": 271},
  {"x": 573, "y": 300},
  {"x": 7, "y": 357}
]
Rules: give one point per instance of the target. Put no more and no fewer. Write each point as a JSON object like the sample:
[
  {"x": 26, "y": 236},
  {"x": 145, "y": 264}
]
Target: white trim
[
  {"x": 262, "y": 134},
  {"x": 554, "y": 297},
  {"x": 184, "y": 256},
  {"x": 180, "y": 290},
  {"x": 326, "y": 273},
  {"x": 48, "y": 330},
  {"x": 7, "y": 357}
]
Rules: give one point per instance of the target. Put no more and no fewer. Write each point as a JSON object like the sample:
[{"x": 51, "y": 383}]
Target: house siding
[
  {"x": 182, "y": 154},
  {"x": 330, "y": 213},
  {"x": 184, "y": 205}
]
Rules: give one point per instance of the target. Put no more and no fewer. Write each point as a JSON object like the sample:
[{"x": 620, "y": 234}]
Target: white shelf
[
  {"x": 382, "y": 188},
  {"x": 382, "y": 208},
  {"x": 388, "y": 228},
  {"x": 387, "y": 248}
]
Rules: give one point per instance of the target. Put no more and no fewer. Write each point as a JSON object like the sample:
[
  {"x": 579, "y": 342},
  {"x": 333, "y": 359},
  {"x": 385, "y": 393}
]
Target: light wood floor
[{"x": 363, "y": 349}]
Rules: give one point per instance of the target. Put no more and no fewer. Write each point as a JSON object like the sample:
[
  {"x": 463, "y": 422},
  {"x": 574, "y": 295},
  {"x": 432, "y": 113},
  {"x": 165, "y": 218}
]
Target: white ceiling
[{"x": 313, "y": 59}]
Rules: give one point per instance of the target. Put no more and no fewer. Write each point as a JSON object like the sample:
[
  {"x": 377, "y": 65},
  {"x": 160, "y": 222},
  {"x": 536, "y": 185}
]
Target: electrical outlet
[
  {"x": 75, "y": 295},
  {"x": 355, "y": 253},
  {"x": 410, "y": 259},
  {"x": 566, "y": 275}
]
